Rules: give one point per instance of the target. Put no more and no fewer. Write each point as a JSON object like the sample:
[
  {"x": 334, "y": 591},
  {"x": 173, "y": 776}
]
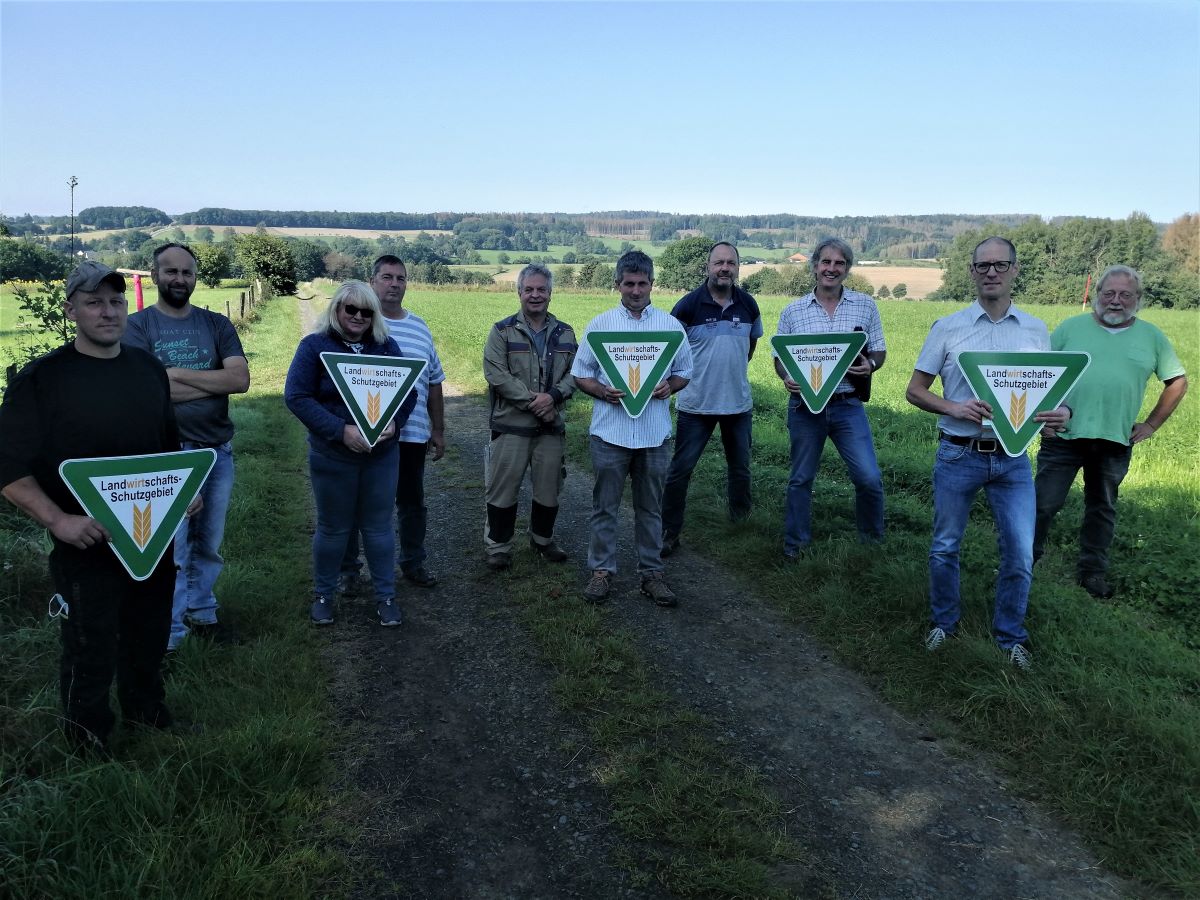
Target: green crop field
[
  {"x": 1107, "y": 728},
  {"x": 1105, "y": 731}
]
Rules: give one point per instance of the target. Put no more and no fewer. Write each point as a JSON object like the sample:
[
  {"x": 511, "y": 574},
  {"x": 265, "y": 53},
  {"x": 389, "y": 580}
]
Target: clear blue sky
[{"x": 811, "y": 108}]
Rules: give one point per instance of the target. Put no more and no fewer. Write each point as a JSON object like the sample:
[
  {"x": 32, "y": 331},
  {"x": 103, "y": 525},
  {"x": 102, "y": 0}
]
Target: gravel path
[{"x": 467, "y": 782}]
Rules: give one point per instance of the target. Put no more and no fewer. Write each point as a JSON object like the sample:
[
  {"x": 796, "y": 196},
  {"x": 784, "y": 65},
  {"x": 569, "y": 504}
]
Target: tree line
[{"x": 1056, "y": 259}]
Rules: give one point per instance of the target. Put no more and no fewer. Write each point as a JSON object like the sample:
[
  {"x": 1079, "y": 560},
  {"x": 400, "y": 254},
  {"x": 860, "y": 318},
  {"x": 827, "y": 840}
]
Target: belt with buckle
[
  {"x": 979, "y": 445},
  {"x": 844, "y": 395}
]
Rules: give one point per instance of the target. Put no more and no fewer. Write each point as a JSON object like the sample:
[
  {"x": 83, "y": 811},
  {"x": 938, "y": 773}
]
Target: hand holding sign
[{"x": 1021, "y": 391}]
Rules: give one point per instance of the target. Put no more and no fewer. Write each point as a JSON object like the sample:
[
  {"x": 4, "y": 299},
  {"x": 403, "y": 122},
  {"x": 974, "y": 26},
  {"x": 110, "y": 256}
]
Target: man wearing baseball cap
[{"x": 93, "y": 398}]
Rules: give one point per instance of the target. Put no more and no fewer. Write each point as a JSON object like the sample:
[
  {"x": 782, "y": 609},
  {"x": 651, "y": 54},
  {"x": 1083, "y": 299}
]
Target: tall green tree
[
  {"x": 25, "y": 260},
  {"x": 212, "y": 263},
  {"x": 267, "y": 257},
  {"x": 682, "y": 265}
]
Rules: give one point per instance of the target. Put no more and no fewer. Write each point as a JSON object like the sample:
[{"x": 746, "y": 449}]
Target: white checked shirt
[
  {"x": 807, "y": 316},
  {"x": 610, "y": 422},
  {"x": 967, "y": 330}
]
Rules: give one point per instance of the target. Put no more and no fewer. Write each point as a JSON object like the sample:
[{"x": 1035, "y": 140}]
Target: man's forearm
[
  {"x": 437, "y": 408},
  {"x": 233, "y": 378},
  {"x": 1170, "y": 398},
  {"x": 27, "y": 495}
]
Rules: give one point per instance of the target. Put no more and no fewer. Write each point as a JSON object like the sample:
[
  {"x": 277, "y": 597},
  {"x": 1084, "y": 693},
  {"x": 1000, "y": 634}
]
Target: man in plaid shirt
[{"x": 831, "y": 308}]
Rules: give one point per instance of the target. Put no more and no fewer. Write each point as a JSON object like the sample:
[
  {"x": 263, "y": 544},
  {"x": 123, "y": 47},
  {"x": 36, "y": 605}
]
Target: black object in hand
[{"x": 861, "y": 383}]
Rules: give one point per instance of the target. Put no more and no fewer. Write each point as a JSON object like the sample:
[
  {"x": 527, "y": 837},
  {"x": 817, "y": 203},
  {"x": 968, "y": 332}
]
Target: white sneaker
[
  {"x": 935, "y": 639},
  {"x": 1020, "y": 657}
]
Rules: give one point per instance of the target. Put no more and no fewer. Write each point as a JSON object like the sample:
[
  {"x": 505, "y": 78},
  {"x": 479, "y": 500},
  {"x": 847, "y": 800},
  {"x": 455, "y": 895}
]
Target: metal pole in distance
[{"x": 71, "y": 184}]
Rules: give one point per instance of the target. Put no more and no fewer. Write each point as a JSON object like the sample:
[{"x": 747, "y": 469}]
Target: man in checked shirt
[{"x": 832, "y": 308}]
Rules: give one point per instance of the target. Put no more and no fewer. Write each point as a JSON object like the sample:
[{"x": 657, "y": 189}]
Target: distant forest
[{"x": 879, "y": 237}]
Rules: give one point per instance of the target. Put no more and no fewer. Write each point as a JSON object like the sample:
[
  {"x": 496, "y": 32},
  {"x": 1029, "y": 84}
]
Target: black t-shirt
[{"x": 67, "y": 405}]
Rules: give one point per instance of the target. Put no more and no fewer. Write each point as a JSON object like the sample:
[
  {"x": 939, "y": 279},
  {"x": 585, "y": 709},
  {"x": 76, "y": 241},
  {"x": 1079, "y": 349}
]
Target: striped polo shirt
[
  {"x": 610, "y": 422},
  {"x": 416, "y": 342}
]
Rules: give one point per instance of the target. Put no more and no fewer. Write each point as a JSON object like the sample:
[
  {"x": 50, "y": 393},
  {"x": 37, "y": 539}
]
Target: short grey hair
[
  {"x": 837, "y": 244},
  {"x": 535, "y": 269},
  {"x": 1132, "y": 274},
  {"x": 360, "y": 294},
  {"x": 633, "y": 261}
]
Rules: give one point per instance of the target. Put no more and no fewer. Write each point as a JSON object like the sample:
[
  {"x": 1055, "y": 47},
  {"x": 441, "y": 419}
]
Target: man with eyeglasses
[
  {"x": 970, "y": 458},
  {"x": 1125, "y": 352},
  {"x": 205, "y": 364}
]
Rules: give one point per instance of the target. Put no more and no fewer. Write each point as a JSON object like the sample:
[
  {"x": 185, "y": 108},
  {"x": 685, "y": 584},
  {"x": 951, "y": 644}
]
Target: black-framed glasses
[
  {"x": 352, "y": 311},
  {"x": 1000, "y": 267}
]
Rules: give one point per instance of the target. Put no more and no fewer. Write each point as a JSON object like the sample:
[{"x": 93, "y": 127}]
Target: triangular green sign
[
  {"x": 372, "y": 387},
  {"x": 635, "y": 362},
  {"x": 818, "y": 362},
  {"x": 140, "y": 500},
  {"x": 1018, "y": 386}
]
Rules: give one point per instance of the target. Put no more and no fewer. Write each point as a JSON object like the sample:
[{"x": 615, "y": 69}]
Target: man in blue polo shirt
[{"x": 723, "y": 326}]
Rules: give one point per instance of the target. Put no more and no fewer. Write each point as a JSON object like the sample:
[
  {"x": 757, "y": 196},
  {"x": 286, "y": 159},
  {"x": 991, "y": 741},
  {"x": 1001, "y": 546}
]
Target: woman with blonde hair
[{"x": 353, "y": 483}]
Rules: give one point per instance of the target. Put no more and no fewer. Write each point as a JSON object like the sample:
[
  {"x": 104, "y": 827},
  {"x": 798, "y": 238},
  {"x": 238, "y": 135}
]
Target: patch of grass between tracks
[{"x": 703, "y": 824}]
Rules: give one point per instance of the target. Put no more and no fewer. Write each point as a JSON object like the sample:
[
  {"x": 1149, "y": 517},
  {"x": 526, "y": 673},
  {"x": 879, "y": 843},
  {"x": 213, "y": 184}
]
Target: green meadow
[
  {"x": 1106, "y": 729},
  {"x": 12, "y": 336}
]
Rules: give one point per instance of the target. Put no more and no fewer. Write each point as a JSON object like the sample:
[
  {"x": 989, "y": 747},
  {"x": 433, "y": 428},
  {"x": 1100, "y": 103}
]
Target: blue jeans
[
  {"x": 198, "y": 559},
  {"x": 647, "y": 468},
  {"x": 354, "y": 495},
  {"x": 692, "y": 432},
  {"x": 411, "y": 513},
  {"x": 1104, "y": 465},
  {"x": 845, "y": 423},
  {"x": 958, "y": 474}
]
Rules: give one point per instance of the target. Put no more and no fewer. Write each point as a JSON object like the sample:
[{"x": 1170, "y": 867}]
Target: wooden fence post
[
  {"x": 228, "y": 313},
  {"x": 243, "y": 313}
]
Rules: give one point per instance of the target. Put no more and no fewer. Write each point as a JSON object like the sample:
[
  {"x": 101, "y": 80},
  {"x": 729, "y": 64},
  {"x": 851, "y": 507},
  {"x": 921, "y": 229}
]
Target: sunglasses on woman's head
[{"x": 352, "y": 311}]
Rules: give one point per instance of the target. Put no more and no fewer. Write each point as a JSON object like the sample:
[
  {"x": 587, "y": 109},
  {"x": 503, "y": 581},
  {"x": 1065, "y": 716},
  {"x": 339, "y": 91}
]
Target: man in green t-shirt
[{"x": 1105, "y": 403}]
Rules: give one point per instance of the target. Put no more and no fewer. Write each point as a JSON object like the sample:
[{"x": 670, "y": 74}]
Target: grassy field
[
  {"x": 223, "y": 808},
  {"x": 216, "y": 299},
  {"x": 1106, "y": 730}
]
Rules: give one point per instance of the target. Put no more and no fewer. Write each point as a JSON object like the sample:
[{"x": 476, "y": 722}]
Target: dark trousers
[
  {"x": 1104, "y": 465},
  {"x": 113, "y": 626},
  {"x": 692, "y": 433},
  {"x": 411, "y": 513}
]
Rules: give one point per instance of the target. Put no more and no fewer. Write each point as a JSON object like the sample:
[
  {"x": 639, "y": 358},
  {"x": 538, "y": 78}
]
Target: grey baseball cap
[{"x": 89, "y": 275}]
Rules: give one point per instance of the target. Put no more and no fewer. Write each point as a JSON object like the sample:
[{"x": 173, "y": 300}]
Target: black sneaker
[
  {"x": 217, "y": 632},
  {"x": 1097, "y": 585},
  {"x": 670, "y": 545},
  {"x": 420, "y": 577}
]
